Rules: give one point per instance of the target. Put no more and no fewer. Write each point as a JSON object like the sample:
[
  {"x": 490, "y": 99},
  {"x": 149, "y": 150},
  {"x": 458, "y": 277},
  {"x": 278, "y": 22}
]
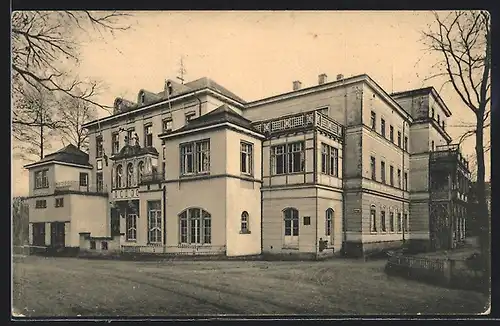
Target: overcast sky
[{"x": 259, "y": 54}]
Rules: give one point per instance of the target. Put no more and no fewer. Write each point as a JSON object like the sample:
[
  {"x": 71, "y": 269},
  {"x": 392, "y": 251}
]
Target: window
[
  {"x": 406, "y": 181},
  {"x": 119, "y": 175},
  {"x": 195, "y": 157},
  {"x": 391, "y": 175},
  {"x": 104, "y": 245},
  {"x": 131, "y": 226},
  {"x": 329, "y": 160},
  {"x": 100, "y": 181},
  {"x": 438, "y": 120},
  {"x": 195, "y": 226},
  {"x": 98, "y": 147},
  {"x": 116, "y": 142},
  {"x": 373, "y": 219},
  {"x": 115, "y": 222},
  {"x": 405, "y": 222},
  {"x": 391, "y": 133},
  {"x": 288, "y": 158},
  {"x": 372, "y": 167},
  {"x": 328, "y": 221},
  {"x": 246, "y": 158},
  {"x": 42, "y": 203},
  {"x": 244, "y": 222},
  {"x": 307, "y": 220},
  {"x": 130, "y": 135},
  {"x": 382, "y": 171},
  {"x": 38, "y": 230},
  {"x": 399, "y": 138},
  {"x": 41, "y": 179},
  {"x": 382, "y": 127},
  {"x": 432, "y": 113},
  {"x": 291, "y": 222},
  {"x": 84, "y": 179},
  {"x": 406, "y": 144},
  {"x": 148, "y": 135},
  {"x": 140, "y": 172},
  {"x": 444, "y": 124},
  {"x": 373, "y": 120},
  {"x": 92, "y": 245},
  {"x": 143, "y": 98},
  {"x": 59, "y": 202},
  {"x": 130, "y": 174},
  {"x": 399, "y": 178},
  {"x": 382, "y": 221},
  {"x": 391, "y": 221},
  {"x": 432, "y": 145},
  {"x": 399, "y": 222},
  {"x": 189, "y": 116},
  {"x": 154, "y": 221},
  {"x": 167, "y": 124}
]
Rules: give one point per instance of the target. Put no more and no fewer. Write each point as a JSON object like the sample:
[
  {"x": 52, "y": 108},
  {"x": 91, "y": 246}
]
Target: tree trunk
[{"x": 483, "y": 215}]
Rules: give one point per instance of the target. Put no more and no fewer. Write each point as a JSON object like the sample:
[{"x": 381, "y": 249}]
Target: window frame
[
  {"x": 373, "y": 219},
  {"x": 41, "y": 179},
  {"x": 383, "y": 222},
  {"x": 165, "y": 123},
  {"x": 59, "y": 202},
  {"x": 115, "y": 140},
  {"x": 391, "y": 175},
  {"x": 373, "y": 168},
  {"x": 329, "y": 213},
  {"x": 291, "y": 214},
  {"x": 382, "y": 172},
  {"x": 99, "y": 149},
  {"x": 392, "y": 227},
  {"x": 329, "y": 160},
  {"x": 382, "y": 127},
  {"x": 40, "y": 203},
  {"x": 148, "y": 135},
  {"x": 399, "y": 138},
  {"x": 119, "y": 176},
  {"x": 288, "y": 154},
  {"x": 85, "y": 180},
  {"x": 203, "y": 227},
  {"x": 246, "y": 149},
  {"x": 99, "y": 181},
  {"x": 391, "y": 133},
  {"x": 373, "y": 120},
  {"x": 245, "y": 223},
  {"x": 131, "y": 228},
  {"x": 196, "y": 153},
  {"x": 155, "y": 222},
  {"x": 129, "y": 175}
]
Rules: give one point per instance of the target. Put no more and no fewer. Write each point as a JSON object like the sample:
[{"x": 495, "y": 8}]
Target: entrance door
[
  {"x": 291, "y": 219},
  {"x": 38, "y": 230},
  {"x": 57, "y": 234}
]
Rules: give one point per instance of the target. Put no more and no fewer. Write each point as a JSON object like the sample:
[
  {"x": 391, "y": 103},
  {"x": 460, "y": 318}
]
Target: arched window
[
  {"x": 119, "y": 175},
  {"x": 329, "y": 222},
  {"x": 195, "y": 226},
  {"x": 244, "y": 222},
  {"x": 291, "y": 216},
  {"x": 140, "y": 172},
  {"x": 130, "y": 174}
]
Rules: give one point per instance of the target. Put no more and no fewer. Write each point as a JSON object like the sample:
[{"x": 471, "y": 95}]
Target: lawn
[{"x": 79, "y": 287}]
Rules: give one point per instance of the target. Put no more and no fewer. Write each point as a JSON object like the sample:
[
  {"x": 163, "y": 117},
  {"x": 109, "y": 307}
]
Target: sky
[{"x": 259, "y": 54}]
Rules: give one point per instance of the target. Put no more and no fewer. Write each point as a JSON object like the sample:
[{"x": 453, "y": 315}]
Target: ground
[{"x": 71, "y": 287}]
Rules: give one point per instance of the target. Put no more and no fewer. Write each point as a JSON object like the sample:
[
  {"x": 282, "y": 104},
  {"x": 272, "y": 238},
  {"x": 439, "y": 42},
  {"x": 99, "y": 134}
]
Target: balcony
[
  {"x": 450, "y": 153},
  {"x": 154, "y": 177},
  {"x": 75, "y": 187},
  {"x": 300, "y": 121}
]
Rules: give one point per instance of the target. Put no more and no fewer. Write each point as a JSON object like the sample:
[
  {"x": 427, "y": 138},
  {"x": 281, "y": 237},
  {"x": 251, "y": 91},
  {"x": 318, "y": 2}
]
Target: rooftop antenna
[{"x": 182, "y": 71}]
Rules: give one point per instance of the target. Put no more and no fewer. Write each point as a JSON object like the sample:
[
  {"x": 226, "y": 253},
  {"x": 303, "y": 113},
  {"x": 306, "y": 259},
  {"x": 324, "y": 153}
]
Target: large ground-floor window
[
  {"x": 38, "y": 231},
  {"x": 195, "y": 226},
  {"x": 154, "y": 222},
  {"x": 131, "y": 226}
]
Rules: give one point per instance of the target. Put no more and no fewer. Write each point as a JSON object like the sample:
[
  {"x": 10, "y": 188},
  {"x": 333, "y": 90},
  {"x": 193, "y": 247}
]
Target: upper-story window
[
  {"x": 98, "y": 146},
  {"x": 143, "y": 98},
  {"x": 432, "y": 145},
  {"x": 189, "y": 116},
  {"x": 406, "y": 144},
  {"x": 399, "y": 178},
  {"x": 382, "y": 171},
  {"x": 399, "y": 138},
  {"x": 244, "y": 222},
  {"x": 116, "y": 142},
  {"x": 167, "y": 124},
  {"x": 329, "y": 160},
  {"x": 432, "y": 113},
  {"x": 148, "y": 135},
  {"x": 119, "y": 175},
  {"x": 405, "y": 181},
  {"x": 443, "y": 123},
  {"x": 41, "y": 179},
  {"x": 246, "y": 164},
  {"x": 372, "y": 168},
  {"x": 130, "y": 135},
  {"x": 99, "y": 181},
  {"x": 59, "y": 202},
  {"x": 373, "y": 120},
  {"x": 382, "y": 127},
  {"x": 288, "y": 158},
  {"x": 130, "y": 174},
  {"x": 195, "y": 157},
  {"x": 438, "y": 120},
  {"x": 84, "y": 179},
  {"x": 42, "y": 203},
  {"x": 391, "y": 133},
  {"x": 391, "y": 175}
]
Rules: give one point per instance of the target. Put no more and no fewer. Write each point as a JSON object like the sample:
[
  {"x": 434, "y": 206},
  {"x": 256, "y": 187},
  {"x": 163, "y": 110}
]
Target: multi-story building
[{"x": 318, "y": 170}]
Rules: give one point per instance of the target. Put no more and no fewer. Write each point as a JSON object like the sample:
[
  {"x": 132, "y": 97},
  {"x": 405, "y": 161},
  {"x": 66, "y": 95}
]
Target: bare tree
[
  {"x": 45, "y": 43},
  {"x": 20, "y": 221},
  {"x": 74, "y": 112},
  {"x": 34, "y": 122},
  {"x": 463, "y": 41}
]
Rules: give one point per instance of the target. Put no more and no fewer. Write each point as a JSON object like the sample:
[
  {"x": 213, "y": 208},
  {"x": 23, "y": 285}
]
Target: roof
[
  {"x": 220, "y": 115},
  {"x": 422, "y": 91},
  {"x": 205, "y": 82},
  {"x": 69, "y": 154}
]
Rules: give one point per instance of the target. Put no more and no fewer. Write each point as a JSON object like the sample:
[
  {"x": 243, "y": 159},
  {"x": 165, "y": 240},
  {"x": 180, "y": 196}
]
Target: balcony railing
[
  {"x": 300, "y": 121},
  {"x": 75, "y": 186},
  {"x": 153, "y": 177}
]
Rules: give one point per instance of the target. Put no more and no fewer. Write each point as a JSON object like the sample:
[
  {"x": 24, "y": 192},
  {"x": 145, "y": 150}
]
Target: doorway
[{"x": 57, "y": 237}]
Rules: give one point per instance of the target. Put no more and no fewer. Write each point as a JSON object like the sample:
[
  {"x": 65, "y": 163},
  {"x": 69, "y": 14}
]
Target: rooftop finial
[{"x": 182, "y": 70}]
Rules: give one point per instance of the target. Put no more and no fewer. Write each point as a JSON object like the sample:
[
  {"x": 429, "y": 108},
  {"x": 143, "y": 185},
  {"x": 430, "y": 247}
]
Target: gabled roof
[
  {"x": 220, "y": 115},
  {"x": 205, "y": 82},
  {"x": 69, "y": 154}
]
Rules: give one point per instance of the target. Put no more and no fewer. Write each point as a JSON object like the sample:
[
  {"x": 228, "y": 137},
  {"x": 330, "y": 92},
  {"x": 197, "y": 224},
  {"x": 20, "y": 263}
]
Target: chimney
[
  {"x": 340, "y": 77},
  {"x": 322, "y": 79},
  {"x": 297, "y": 85}
]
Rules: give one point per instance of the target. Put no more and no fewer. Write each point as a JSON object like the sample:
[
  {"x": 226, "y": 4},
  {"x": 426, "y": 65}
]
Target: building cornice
[
  {"x": 228, "y": 125},
  {"x": 38, "y": 164}
]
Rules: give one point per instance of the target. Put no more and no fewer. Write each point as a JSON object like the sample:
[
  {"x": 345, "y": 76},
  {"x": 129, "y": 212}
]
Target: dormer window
[
  {"x": 438, "y": 119},
  {"x": 167, "y": 124},
  {"x": 189, "y": 116},
  {"x": 143, "y": 98}
]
